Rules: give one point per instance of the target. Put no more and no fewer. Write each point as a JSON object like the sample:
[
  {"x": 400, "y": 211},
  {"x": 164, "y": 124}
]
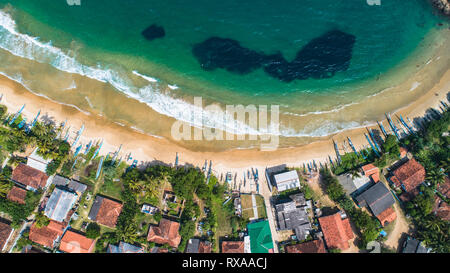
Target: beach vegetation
[
  {"x": 430, "y": 147},
  {"x": 41, "y": 220},
  {"x": 433, "y": 231},
  {"x": 368, "y": 225},
  {"x": 93, "y": 230},
  {"x": 20, "y": 212},
  {"x": 3, "y": 111}
]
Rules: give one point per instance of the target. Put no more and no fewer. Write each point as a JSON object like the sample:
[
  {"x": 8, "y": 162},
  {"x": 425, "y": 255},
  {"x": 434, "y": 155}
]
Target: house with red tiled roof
[
  {"x": 48, "y": 235},
  {"x": 336, "y": 231},
  {"x": 73, "y": 242},
  {"x": 441, "y": 208},
  {"x": 444, "y": 188},
  {"x": 165, "y": 233},
  {"x": 387, "y": 216},
  {"x": 105, "y": 211},
  {"x": 408, "y": 177},
  {"x": 403, "y": 152},
  {"x": 197, "y": 246},
  {"x": 29, "y": 177},
  {"x": 314, "y": 246},
  {"x": 371, "y": 171},
  {"x": 233, "y": 247},
  {"x": 5, "y": 233},
  {"x": 379, "y": 200},
  {"x": 17, "y": 194}
]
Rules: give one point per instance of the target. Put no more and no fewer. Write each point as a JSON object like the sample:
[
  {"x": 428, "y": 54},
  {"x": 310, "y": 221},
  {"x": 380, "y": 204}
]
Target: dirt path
[
  {"x": 265, "y": 192},
  {"x": 401, "y": 226},
  {"x": 324, "y": 200}
]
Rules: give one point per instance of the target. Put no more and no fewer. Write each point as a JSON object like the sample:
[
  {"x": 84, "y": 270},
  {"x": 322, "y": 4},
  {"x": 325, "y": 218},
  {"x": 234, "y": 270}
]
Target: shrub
[{"x": 93, "y": 231}]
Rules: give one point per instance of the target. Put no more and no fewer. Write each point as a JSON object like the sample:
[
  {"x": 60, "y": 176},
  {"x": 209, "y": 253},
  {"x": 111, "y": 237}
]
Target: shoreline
[
  {"x": 147, "y": 149},
  {"x": 155, "y": 112}
]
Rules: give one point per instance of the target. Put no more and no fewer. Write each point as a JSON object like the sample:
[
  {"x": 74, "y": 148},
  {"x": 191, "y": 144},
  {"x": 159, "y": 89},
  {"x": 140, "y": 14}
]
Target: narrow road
[
  {"x": 28, "y": 221},
  {"x": 401, "y": 226},
  {"x": 255, "y": 208},
  {"x": 264, "y": 189}
]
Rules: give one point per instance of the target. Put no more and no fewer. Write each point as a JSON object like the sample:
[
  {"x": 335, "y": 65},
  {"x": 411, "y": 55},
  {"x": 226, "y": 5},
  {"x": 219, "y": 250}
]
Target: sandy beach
[{"x": 146, "y": 148}]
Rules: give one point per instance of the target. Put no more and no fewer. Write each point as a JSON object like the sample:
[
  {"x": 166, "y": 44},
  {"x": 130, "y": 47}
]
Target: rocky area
[{"x": 442, "y": 5}]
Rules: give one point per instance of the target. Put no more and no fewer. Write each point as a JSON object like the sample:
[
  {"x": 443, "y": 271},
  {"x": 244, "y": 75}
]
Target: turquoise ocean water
[{"x": 102, "y": 40}]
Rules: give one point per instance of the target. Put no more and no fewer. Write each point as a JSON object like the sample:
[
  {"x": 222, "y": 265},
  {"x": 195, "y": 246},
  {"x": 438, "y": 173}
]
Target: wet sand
[{"x": 146, "y": 148}]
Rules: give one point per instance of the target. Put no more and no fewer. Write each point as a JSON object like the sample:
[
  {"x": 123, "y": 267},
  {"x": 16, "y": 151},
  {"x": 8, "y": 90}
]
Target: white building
[
  {"x": 38, "y": 162},
  {"x": 247, "y": 248},
  {"x": 59, "y": 204},
  {"x": 286, "y": 181}
]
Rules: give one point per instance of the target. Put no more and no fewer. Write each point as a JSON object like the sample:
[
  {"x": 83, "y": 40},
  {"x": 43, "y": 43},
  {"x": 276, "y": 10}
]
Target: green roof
[{"x": 260, "y": 237}]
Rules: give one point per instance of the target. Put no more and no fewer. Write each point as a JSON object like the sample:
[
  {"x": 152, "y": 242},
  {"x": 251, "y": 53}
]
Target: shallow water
[{"x": 90, "y": 55}]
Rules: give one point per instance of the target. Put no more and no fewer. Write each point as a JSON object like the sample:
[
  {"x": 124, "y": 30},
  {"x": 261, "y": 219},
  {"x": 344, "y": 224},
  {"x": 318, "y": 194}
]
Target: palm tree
[
  {"x": 434, "y": 224},
  {"x": 129, "y": 233},
  {"x": 355, "y": 173},
  {"x": 38, "y": 130},
  {"x": 4, "y": 189},
  {"x": 151, "y": 188},
  {"x": 435, "y": 177}
]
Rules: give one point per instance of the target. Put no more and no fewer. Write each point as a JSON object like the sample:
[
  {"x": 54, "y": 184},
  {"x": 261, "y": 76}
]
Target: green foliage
[
  {"x": 391, "y": 145},
  {"x": 307, "y": 191},
  {"x": 187, "y": 225},
  {"x": 368, "y": 225},
  {"x": 104, "y": 240},
  {"x": 157, "y": 216},
  {"x": 5, "y": 187},
  {"x": 3, "y": 111},
  {"x": 13, "y": 139},
  {"x": 52, "y": 167},
  {"x": 422, "y": 204},
  {"x": 19, "y": 212},
  {"x": 333, "y": 188},
  {"x": 334, "y": 250},
  {"x": 186, "y": 182},
  {"x": 41, "y": 220},
  {"x": 435, "y": 177},
  {"x": 128, "y": 233},
  {"x": 146, "y": 183},
  {"x": 349, "y": 161},
  {"x": 6, "y": 172},
  {"x": 431, "y": 149},
  {"x": 93, "y": 231},
  {"x": 66, "y": 169},
  {"x": 23, "y": 242}
]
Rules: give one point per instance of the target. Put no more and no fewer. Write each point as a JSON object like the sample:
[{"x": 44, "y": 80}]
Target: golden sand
[{"x": 147, "y": 148}]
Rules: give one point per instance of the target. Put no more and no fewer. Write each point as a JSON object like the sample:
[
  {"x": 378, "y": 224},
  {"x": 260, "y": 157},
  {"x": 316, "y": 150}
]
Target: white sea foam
[
  {"x": 334, "y": 110},
  {"x": 147, "y": 78},
  {"x": 326, "y": 128},
  {"x": 173, "y": 87},
  {"x": 73, "y": 85},
  {"x": 414, "y": 86},
  {"x": 89, "y": 102},
  {"x": 18, "y": 78},
  {"x": 32, "y": 48}
]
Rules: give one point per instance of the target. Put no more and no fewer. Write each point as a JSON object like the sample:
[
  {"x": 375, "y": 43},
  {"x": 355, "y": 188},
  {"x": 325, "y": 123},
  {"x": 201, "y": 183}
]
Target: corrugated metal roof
[
  {"x": 378, "y": 198},
  {"x": 59, "y": 204}
]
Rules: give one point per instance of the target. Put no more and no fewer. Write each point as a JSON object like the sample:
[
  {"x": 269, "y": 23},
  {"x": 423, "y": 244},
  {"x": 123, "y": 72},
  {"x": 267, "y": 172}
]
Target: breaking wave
[{"x": 32, "y": 48}]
